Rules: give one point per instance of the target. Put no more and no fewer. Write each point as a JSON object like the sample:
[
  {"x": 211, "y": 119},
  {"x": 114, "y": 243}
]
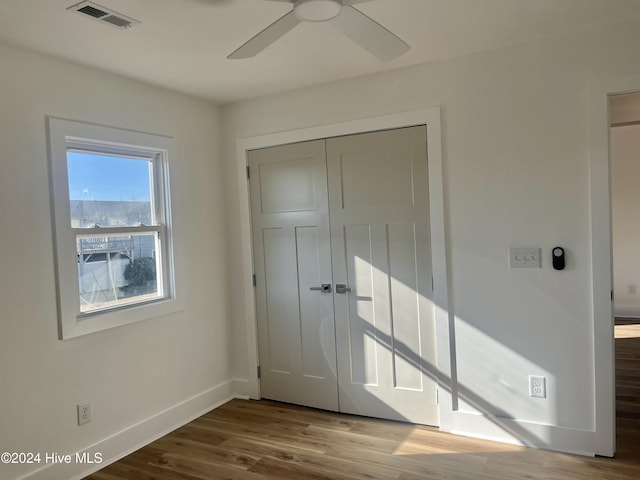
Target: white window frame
[{"x": 68, "y": 135}]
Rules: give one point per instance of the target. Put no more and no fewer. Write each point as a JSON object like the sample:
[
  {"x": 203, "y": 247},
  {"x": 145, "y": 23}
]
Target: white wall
[
  {"x": 625, "y": 203},
  {"x": 515, "y": 125},
  {"x": 160, "y": 372}
]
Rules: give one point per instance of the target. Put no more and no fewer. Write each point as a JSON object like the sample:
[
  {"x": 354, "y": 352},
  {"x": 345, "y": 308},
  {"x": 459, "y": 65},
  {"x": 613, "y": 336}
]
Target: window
[{"x": 112, "y": 226}]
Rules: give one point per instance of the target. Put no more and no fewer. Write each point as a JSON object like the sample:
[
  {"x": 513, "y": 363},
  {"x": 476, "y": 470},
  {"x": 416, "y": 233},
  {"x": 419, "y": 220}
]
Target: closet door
[
  {"x": 385, "y": 327},
  {"x": 292, "y": 256}
]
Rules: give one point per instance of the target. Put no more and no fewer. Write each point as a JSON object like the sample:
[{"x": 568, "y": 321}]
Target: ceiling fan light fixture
[{"x": 317, "y": 10}]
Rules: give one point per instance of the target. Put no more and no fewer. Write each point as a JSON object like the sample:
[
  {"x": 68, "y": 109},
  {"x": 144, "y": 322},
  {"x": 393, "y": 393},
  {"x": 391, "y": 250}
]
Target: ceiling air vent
[{"x": 98, "y": 12}]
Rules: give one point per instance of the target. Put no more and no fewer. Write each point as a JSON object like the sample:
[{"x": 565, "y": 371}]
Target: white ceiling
[{"x": 183, "y": 44}]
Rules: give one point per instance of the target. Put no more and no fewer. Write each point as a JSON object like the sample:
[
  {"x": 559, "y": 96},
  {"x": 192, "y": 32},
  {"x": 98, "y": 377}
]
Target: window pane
[
  {"x": 117, "y": 270},
  {"x": 109, "y": 190}
]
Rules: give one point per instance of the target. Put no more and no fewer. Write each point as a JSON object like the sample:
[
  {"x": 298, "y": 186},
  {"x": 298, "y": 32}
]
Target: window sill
[{"x": 84, "y": 324}]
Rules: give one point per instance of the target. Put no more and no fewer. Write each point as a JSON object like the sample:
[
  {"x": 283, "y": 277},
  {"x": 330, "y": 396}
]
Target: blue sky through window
[{"x": 104, "y": 177}]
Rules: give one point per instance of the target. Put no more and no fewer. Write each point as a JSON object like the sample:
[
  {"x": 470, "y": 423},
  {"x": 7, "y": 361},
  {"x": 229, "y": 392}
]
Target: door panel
[
  {"x": 404, "y": 280},
  {"x": 385, "y": 328},
  {"x": 294, "y": 177},
  {"x": 361, "y": 318},
  {"x": 374, "y": 177},
  {"x": 291, "y": 244},
  {"x": 279, "y": 271}
]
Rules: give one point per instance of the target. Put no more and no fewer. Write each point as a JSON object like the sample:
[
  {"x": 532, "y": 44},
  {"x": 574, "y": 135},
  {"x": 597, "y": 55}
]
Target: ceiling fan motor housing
[{"x": 317, "y": 10}]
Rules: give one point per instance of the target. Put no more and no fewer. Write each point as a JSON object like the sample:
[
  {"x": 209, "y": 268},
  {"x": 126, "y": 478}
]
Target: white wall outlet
[
  {"x": 524, "y": 257},
  {"x": 84, "y": 413},
  {"x": 632, "y": 289},
  {"x": 537, "y": 386}
]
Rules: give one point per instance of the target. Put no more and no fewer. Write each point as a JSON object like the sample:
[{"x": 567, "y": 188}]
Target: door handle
[
  {"x": 324, "y": 288},
  {"x": 342, "y": 288}
]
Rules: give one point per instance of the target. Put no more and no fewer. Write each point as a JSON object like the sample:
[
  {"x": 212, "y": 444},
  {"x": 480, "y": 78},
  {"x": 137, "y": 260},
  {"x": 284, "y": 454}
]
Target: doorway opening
[{"x": 624, "y": 113}]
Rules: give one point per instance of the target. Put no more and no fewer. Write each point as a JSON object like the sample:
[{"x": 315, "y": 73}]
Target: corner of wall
[{"x": 136, "y": 436}]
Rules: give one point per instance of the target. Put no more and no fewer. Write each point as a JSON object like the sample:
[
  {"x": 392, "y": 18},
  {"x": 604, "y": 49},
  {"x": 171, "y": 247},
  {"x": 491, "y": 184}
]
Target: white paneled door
[
  {"x": 343, "y": 267},
  {"x": 292, "y": 255}
]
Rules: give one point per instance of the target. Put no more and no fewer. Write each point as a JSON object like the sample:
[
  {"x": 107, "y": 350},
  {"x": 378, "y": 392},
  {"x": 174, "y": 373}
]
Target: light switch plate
[{"x": 524, "y": 257}]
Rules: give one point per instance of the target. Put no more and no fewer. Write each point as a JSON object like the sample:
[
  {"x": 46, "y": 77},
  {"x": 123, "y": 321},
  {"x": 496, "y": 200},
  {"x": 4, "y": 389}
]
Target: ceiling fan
[{"x": 341, "y": 15}]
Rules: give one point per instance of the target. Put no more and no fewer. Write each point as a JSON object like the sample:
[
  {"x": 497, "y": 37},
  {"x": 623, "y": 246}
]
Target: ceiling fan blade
[
  {"x": 369, "y": 34},
  {"x": 266, "y": 37}
]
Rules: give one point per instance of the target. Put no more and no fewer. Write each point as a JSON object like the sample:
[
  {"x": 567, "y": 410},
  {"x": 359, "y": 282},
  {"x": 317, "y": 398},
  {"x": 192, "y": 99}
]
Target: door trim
[
  {"x": 443, "y": 313},
  {"x": 601, "y": 262}
]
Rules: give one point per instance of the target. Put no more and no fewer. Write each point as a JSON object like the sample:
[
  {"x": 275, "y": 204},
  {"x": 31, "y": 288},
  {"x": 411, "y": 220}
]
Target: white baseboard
[
  {"x": 520, "y": 432},
  {"x": 242, "y": 388},
  {"x": 137, "y": 436}
]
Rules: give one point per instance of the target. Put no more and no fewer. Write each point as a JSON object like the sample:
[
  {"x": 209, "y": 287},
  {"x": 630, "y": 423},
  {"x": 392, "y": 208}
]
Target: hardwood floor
[
  {"x": 260, "y": 440},
  {"x": 628, "y": 388}
]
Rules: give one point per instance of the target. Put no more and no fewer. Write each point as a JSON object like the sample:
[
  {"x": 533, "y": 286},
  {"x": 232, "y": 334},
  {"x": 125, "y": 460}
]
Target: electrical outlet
[
  {"x": 631, "y": 289},
  {"x": 537, "y": 386},
  {"x": 524, "y": 257},
  {"x": 84, "y": 413}
]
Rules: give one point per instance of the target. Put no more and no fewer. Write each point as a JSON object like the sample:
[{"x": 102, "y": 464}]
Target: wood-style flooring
[{"x": 260, "y": 440}]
